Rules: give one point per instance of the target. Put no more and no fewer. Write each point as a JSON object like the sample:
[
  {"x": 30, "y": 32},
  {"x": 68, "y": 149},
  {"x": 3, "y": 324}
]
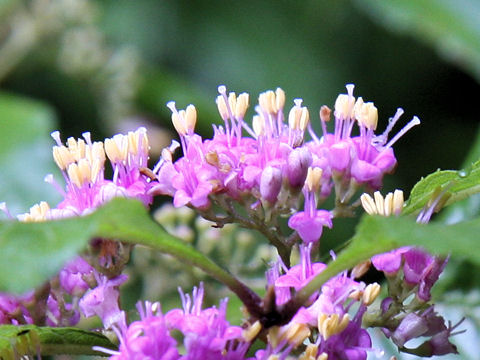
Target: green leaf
[
  {"x": 17, "y": 341},
  {"x": 30, "y": 253},
  {"x": 470, "y": 207},
  {"x": 25, "y": 156},
  {"x": 461, "y": 184},
  {"x": 452, "y": 27},
  {"x": 381, "y": 234}
]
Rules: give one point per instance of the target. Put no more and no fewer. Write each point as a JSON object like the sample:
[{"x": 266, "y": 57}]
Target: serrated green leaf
[
  {"x": 17, "y": 341},
  {"x": 461, "y": 184},
  {"x": 22, "y": 185},
  {"x": 452, "y": 27},
  {"x": 30, "y": 253}
]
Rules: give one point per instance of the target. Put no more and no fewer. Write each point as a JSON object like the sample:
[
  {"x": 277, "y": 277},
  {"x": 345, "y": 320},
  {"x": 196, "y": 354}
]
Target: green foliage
[
  {"x": 25, "y": 158},
  {"x": 460, "y": 184},
  {"x": 451, "y": 26},
  {"x": 30, "y": 253},
  {"x": 17, "y": 341}
]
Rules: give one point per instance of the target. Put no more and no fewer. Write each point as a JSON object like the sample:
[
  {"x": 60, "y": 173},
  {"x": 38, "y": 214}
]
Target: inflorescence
[{"x": 265, "y": 176}]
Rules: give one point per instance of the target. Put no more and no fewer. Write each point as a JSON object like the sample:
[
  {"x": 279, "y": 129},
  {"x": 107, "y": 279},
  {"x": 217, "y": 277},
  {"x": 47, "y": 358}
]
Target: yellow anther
[
  {"x": 62, "y": 157},
  {"x": 392, "y": 204},
  {"x": 273, "y": 357},
  {"x": 76, "y": 148},
  {"x": 368, "y": 204},
  {"x": 96, "y": 152},
  {"x": 267, "y": 102},
  {"x": 322, "y": 356},
  {"x": 113, "y": 151},
  {"x": 398, "y": 202},
  {"x": 332, "y": 324},
  {"x": 366, "y": 114},
  {"x": 274, "y": 336},
  {"x": 37, "y": 213},
  {"x": 379, "y": 203},
  {"x": 179, "y": 123},
  {"x": 79, "y": 173},
  {"x": 279, "y": 99},
  {"x": 241, "y": 105},
  {"x": 96, "y": 168},
  {"x": 325, "y": 113},
  {"x": 232, "y": 101},
  {"x": 314, "y": 177},
  {"x": 252, "y": 331},
  {"x": 298, "y": 117},
  {"x": 258, "y": 124},
  {"x": 222, "y": 107},
  {"x": 310, "y": 353},
  {"x": 360, "y": 269},
  {"x": 356, "y": 295},
  {"x": 295, "y": 334},
  {"x": 344, "y": 106},
  {"x": 190, "y": 118},
  {"x": 371, "y": 293}
]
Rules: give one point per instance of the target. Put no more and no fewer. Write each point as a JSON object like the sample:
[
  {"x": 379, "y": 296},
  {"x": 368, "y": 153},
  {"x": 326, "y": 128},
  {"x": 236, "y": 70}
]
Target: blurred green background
[{"x": 111, "y": 65}]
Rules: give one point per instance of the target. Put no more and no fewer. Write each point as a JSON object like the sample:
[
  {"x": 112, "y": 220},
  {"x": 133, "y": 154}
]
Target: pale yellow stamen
[
  {"x": 267, "y": 102},
  {"x": 366, "y": 114},
  {"x": 279, "y": 99},
  {"x": 117, "y": 148},
  {"x": 241, "y": 105},
  {"x": 391, "y": 204},
  {"x": 332, "y": 324},
  {"x": 313, "y": 180},
  {"x": 360, "y": 269},
  {"x": 294, "y": 334},
  {"x": 298, "y": 117},
  {"x": 62, "y": 157},
  {"x": 310, "y": 353},
  {"x": 258, "y": 124},
  {"x": 370, "y": 293},
  {"x": 190, "y": 118},
  {"x": 322, "y": 356},
  {"x": 252, "y": 331},
  {"x": 222, "y": 107},
  {"x": 379, "y": 203},
  {"x": 37, "y": 213},
  {"x": 344, "y": 106}
]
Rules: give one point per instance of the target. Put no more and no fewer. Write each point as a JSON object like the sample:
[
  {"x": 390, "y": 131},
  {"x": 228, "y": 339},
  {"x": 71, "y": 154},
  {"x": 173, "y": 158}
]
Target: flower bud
[
  {"x": 298, "y": 163},
  {"x": 270, "y": 183}
]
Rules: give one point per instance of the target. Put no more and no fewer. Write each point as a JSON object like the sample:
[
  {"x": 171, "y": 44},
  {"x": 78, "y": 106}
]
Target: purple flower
[
  {"x": 71, "y": 276},
  {"x": 206, "y": 331},
  {"x": 103, "y": 301},
  {"x": 391, "y": 261},
  {"x": 147, "y": 339},
  {"x": 309, "y": 225},
  {"x": 299, "y": 275},
  {"x": 422, "y": 269}
]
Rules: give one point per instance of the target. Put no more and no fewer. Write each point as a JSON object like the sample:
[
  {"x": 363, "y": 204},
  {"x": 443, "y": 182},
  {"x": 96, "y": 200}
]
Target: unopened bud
[
  {"x": 270, "y": 183},
  {"x": 298, "y": 162}
]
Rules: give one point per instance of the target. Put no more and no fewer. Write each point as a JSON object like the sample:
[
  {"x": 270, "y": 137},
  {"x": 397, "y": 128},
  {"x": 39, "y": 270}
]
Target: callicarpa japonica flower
[{"x": 273, "y": 175}]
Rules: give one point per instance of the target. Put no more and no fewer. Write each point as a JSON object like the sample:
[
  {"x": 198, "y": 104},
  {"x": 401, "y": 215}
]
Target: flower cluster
[
  {"x": 267, "y": 171},
  {"x": 266, "y": 177},
  {"x": 89, "y": 283}
]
